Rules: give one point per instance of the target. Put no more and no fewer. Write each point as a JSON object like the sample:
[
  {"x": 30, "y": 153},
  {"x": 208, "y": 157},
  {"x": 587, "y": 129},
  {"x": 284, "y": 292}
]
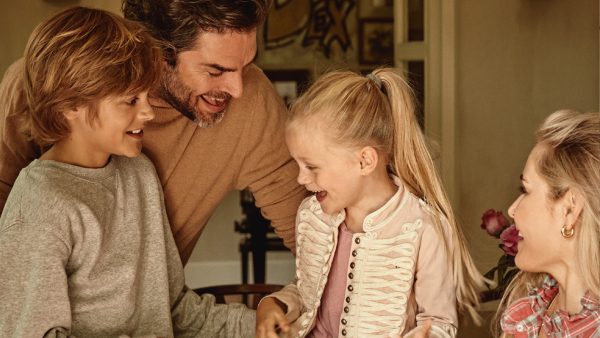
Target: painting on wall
[
  {"x": 320, "y": 23},
  {"x": 289, "y": 83},
  {"x": 376, "y": 41}
]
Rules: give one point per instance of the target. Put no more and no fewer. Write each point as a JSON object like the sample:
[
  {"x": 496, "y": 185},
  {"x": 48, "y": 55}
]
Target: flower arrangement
[{"x": 496, "y": 225}]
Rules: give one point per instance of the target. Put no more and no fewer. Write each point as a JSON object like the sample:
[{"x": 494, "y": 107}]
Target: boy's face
[{"x": 118, "y": 128}]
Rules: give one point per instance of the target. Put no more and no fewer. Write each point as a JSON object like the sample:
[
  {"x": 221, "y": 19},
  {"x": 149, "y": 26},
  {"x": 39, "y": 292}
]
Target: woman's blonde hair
[
  {"x": 77, "y": 57},
  {"x": 379, "y": 111},
  {"x": 569, "y": 160}
]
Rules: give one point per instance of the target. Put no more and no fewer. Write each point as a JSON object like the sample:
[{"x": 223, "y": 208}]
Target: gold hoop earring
[{"x": 567, "y": 233}]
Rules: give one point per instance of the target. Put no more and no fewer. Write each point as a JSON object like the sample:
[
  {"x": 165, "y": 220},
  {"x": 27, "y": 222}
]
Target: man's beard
[{"x": 181, "y": 97}]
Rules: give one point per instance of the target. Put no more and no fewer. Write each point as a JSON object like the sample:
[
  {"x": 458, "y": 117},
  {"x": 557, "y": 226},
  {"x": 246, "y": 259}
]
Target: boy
[{"x": 85, "y": 245}]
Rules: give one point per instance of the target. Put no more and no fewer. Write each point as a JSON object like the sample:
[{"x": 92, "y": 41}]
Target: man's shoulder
[
  {"x": 259, "y": 100},
  {"x": 11, "y": 89},
  {"x": 14, "y": 70},
  {"x": 254, "y": 76},
  {"x": 257, "y": 85},
  {"x": 12, "y": 76}
]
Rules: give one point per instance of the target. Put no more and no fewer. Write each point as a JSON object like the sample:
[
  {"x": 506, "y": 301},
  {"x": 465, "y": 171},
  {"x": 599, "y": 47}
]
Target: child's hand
[
  {"x": 420, "y": 331},
  {"x": 270, "y": 319}
]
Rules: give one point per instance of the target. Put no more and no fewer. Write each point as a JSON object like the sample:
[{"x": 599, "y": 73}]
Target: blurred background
[{"x": 486, "y": 73}]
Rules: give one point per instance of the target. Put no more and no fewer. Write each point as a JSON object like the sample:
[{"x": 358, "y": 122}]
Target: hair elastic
[{"x": 375, "y": 80}]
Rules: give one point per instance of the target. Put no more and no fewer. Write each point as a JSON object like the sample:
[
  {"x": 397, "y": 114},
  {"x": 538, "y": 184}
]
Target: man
[{"x": 218, "y": 125}]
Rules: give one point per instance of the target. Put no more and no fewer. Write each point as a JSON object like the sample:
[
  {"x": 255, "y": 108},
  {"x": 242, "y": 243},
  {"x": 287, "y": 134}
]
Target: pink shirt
[{"x": 332, "y": 302}]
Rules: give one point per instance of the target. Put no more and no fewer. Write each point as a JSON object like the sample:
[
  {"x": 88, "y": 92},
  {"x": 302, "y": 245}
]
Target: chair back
[{"x": 249, "y": 294}]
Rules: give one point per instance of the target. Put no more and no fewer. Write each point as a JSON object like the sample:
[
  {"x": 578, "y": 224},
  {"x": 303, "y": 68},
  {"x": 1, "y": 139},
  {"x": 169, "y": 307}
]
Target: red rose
[
  {"x": 493, "y": 222},
  {"x": 510, "y": 238}
]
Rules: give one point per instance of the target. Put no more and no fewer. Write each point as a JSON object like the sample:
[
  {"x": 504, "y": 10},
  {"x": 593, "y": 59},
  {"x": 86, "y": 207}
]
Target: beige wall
[
  {"x": 19, "y": 18},
  {"x": 517, "y": 61}
]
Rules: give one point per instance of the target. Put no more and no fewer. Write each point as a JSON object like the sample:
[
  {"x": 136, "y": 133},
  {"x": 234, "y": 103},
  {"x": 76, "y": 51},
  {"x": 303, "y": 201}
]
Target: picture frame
[
  {"x": 376, "y": 41},
  {"x": 289, "y": 83}
]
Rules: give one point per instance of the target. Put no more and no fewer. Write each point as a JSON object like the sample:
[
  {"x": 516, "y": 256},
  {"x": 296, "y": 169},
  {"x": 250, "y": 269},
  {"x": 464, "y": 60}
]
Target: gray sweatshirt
[{"x": 89, "y": 253}]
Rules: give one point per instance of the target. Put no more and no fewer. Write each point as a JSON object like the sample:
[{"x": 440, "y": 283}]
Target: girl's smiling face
[{"x": 331, "y": 171}]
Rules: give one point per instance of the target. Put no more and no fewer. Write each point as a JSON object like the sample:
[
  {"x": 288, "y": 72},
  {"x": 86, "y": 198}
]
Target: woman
[{"x": 556, "y": 294}]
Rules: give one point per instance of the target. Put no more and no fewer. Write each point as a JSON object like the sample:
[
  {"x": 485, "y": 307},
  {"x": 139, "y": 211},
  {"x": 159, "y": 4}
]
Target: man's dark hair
[{"x": 176, "y": 23}]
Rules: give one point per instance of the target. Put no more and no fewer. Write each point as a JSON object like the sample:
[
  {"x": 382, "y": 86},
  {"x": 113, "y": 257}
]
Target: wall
[
  {"x": 517, "y": 61},
  {"x": 19, "y": 18},
  {"x": 217, "y": 252}
]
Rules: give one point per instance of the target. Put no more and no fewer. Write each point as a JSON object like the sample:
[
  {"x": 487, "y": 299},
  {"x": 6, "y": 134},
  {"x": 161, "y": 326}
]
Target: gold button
[
  {"x": 352, "y": 265},
  {"x": 350, "y": 288},
  {"x": 347, "y": 299},
  {"x": 350, "y": 275},
  {"x": 354, "y": 253},
  {"x": 346, "y": 309},
  {"x": 344, "y": 321},
  {"x": 357, "y": 240},
  {"x": 344, "y": 332}
]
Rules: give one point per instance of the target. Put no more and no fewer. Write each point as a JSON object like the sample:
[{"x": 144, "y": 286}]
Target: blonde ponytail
[{"x": 413, "y": 163}]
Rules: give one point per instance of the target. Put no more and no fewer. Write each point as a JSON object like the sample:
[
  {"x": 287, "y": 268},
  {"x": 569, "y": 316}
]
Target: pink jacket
[{"x": 399, "y": 273}]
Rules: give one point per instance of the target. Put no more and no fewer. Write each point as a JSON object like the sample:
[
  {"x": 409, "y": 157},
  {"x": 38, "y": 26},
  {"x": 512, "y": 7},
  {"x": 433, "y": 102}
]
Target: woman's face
[{"x": 539, "y": 221}]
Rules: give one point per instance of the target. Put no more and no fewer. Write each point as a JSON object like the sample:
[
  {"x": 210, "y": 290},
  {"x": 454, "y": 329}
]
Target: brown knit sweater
[{"x": 197, "y": 166}]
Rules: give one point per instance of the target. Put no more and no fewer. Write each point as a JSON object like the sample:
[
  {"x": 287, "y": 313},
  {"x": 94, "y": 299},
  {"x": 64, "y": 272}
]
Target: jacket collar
[
  {"x": 384, "y": 215},
  {"x": 375, "y": 220}
]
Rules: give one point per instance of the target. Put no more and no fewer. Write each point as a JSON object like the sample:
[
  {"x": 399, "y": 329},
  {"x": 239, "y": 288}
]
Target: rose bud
[{"x": 493, "y": 222}]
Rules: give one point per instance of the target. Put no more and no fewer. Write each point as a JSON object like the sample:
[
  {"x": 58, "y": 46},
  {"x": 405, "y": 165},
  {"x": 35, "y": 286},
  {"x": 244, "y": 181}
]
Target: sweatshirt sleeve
[
  {"x": 33, "y": 282},
  {"x": 268, "y": 169},
  {"x": 15, "y": 150},
  {"x": 199, "y": 316},
  {"x": 196, "y": 315},
  {"x": 434, "y": 286}
]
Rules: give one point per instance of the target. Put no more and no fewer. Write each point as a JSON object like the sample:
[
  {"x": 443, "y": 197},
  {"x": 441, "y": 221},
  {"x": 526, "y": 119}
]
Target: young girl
[
  {"x": 557, "y": 292},
  {"x": 85, "y": 244},
  {"x": 379, "y": 253}
]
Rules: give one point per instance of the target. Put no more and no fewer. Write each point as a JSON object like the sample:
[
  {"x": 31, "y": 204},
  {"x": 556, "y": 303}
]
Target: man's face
[{"x": 206, "y": 77}]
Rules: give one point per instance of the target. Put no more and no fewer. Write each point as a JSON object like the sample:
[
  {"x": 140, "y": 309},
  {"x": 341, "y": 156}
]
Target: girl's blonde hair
[
  {"x": 379, "y": 111},
  {"x": 570, "y": 160},
  {"x": 77, "y": 57}
]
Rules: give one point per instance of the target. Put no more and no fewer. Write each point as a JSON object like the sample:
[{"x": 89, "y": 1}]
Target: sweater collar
[{"x": 86, "y": 173}]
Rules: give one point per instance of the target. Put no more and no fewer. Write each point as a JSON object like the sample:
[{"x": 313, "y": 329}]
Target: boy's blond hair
[{"x": 77, "y": 57}]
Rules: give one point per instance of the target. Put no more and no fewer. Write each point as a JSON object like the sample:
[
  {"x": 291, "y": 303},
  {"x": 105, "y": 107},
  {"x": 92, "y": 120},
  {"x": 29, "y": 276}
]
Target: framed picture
[
  {"x": 289, "y": 83},
  {"x": 376, "y": 41}
]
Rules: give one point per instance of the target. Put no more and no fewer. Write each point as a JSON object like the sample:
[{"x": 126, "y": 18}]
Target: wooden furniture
[
  {"x": 256, "y": 229},
  {"x": 250, "y": 294}
]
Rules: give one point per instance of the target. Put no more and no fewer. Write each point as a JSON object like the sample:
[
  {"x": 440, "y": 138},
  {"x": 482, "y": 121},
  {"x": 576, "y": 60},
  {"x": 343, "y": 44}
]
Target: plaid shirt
[{"x": 525, "y": 317}]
